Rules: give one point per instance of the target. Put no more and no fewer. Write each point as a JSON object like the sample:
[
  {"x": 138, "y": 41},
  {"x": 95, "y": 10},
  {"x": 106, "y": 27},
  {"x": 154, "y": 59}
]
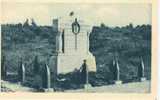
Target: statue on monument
[{"x": 84, "y": 71}]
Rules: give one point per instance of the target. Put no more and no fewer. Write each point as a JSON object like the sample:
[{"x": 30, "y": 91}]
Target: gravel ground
[
  {"x": 13, "y": 87},
  {"x": 136, "y": 87}
]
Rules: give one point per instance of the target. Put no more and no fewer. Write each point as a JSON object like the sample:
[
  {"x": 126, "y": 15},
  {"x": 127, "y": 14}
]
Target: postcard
[{"x": 79, "y": 50}]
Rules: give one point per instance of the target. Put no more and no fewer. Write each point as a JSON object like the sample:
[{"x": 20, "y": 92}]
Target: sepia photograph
[{"x": 76, "y": 47}]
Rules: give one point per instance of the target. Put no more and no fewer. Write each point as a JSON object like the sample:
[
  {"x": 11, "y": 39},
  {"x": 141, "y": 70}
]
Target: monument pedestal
[
  {"x": 118, "y": 82},
  {"x": 65, "y": 63},
  {"x": 49, "y": 90},
  {"x": 143, "y": 79}
]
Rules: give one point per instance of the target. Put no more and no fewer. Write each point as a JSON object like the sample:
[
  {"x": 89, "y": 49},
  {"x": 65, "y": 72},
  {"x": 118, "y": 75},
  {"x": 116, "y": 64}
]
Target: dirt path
[{"x": 136, "y": 87}]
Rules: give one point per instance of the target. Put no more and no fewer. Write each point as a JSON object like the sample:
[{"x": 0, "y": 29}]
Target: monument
[{"x": 72, "y": 48}]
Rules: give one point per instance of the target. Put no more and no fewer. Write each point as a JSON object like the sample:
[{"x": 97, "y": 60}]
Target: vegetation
[
  {"x": 20, "y": 72},
  {"x": 3, "y": 68},
  {"x": 127, "y": 43}
]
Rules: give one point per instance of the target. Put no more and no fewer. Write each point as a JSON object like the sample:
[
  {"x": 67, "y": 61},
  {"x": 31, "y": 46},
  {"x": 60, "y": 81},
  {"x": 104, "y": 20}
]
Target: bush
[{"x": 37, "y": 82}]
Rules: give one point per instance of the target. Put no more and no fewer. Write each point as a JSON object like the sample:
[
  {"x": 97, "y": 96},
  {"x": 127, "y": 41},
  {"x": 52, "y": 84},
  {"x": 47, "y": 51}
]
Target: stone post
[
  {"x": 47, "y": 79},
  {"x": 118, "y": 73},
  {"x": 118, "y": 81},
  {"x": 21, "y": 72},
  {"x": 141, "y": 71},
  {"x": 86, "y": 85}
]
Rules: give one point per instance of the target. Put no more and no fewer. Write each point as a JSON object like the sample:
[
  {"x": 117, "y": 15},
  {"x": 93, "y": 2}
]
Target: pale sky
[{"x": 91, "y": 14}]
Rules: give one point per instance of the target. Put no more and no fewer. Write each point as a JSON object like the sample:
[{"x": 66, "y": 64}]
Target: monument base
[
  {"x": 49, "y": 90},
  {"x": 87, "y": 86},
  {"x": 66, "y": 63},
  {"x": 143, "y": 79},
  {"x": 118, "y": 82}
]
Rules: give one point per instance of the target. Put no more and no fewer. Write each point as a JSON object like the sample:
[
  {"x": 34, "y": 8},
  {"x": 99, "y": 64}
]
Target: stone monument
[{"x": 72, "y": 48}]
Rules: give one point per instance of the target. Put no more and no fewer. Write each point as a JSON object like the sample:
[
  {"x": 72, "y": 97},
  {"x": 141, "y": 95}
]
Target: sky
[{"x": 90, "y": 14}]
